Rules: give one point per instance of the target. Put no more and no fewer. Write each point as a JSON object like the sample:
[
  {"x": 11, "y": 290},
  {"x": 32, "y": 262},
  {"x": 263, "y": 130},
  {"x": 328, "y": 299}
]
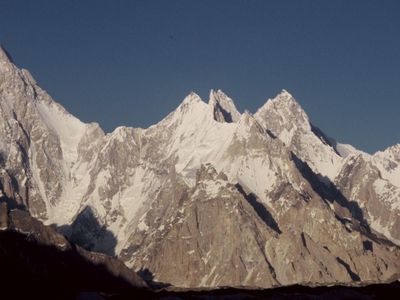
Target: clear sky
[{"x": 132, "y": 62}]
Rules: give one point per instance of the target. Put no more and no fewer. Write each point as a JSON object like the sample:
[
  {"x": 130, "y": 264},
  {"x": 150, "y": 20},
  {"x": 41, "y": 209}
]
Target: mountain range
[{"x": 207, "y": 197}]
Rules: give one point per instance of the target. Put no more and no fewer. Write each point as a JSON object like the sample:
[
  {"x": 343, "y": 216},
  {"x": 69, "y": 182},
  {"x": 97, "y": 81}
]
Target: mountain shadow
[
  {"x": 87, "y": 232},
  {"x": 226, "y": 115},
  {"x": 324, "y": 138},
  {"x": 48, "y": 273},
  {"x": 326, "y": 189},
  {"x": 33, "y": 270},
  {"x": 260, "y": 209},
  {"x": 352, "y": 275},
  {"x": 12, "y": 203},
  {"x": 148, "y": 276},
  {"x": 39, "y": 263}
]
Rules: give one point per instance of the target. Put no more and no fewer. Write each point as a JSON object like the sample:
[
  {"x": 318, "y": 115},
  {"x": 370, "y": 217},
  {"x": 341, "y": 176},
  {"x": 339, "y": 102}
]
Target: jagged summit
[
  {"x": 191, "y": 108},
  {"x": 272, "y": 188},
  {"x": 284, "y": 94},
  {"x": 220, "y": 106},
  {"x": 282, "y": 98},
  {"x": 224, "y": 109},
  {"x": 191, "y": 100},
  {"x": 391, "y": 149},
  {"x": 283, "y": 115},
  {"x": 192, "y": 97},
  {"x": 285, "y": 105},
  {"x": 285, "y": 118}
]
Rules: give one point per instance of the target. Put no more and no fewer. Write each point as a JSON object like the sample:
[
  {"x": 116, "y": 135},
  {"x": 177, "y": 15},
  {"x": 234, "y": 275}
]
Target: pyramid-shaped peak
[
  {"x": 284, "y": 93},
  {"x": 218, "y": 93},
  {"x": 191, "y": 104},
  {"x": 283, "y": 113},
  {"x": 285, "y": 96},
  {"x": 192, "y": 97},
  {"x": 223, "y": 107},
  {"x": 189, "y": 101},
  {"x": 284, "y": 103}
]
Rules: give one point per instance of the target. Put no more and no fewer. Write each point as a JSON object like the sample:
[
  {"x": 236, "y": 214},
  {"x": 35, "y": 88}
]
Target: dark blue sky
[{"x": 132, "y": 62}]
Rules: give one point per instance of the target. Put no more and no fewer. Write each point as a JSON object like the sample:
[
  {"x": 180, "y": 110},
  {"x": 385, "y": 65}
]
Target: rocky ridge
[{"x": 228, "y": 198}]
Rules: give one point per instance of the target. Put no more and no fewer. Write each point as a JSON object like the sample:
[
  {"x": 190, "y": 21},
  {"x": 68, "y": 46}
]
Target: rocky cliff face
[
  {"x": 226, "y": 198},
  {"x": 220, "y": 235},
  {"x": 362, "y": 180},
  {"x": 47, "y": 265}
]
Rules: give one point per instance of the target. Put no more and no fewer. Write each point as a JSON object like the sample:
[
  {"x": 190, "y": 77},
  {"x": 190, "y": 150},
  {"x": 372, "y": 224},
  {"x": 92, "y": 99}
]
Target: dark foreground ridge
[
  {"x": 39, "y": 263},
  {"x": 373, "y": 291}
]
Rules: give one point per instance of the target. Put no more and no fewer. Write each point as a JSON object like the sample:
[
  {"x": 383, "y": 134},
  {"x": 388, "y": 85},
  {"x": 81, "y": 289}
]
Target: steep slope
[
  {"x": 39, "y": 145},
  {"x": 219, "y": 235},
  {"x": 370, "y": 180},
  {"x": 284, "y": 117},
  {"x": 47, "y": 265},
  {"x": 362, "y": 179},
  {"x": 224, "y": 109},
  {"x": 388, "y": 163},
  {"x": 208, "y": 189}
]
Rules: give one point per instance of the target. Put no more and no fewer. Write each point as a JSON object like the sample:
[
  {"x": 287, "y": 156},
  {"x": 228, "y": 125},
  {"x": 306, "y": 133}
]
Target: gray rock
[{"x": 206, "y": 197}]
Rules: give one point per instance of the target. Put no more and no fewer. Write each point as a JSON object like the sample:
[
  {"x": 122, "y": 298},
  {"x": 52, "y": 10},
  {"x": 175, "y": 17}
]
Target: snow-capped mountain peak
[
  {"x": 284, "y": 95},
  {"x": 392, "y": 151},
  {"x": 285, "y": 118},
  {"x": 191, "y": 104},
  {"x": 204, "y": 177},
  {"x": 388, "y": 162},
  {"x": 193, "y": 97},
  {"x": 286, "y": 112}
]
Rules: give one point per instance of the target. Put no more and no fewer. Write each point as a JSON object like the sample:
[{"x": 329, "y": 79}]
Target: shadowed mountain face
[
  {"x": 228, "y": 234},
  {"x": 87, "y": 232},
  {"x": 226, "y": 198},
  {"x": 374, "y": 291},
  {"x": 45, "y": 264}
]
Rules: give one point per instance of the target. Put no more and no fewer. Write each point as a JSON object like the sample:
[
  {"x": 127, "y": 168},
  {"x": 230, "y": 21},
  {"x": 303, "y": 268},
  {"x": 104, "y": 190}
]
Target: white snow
[
  {"x": 288, "y": 120},
  {"x": 388, "y": 193},
  {"x": 68, "y": 128},
  {"x": 346, "y": 149},
  {"x": 143, "y": 184},
  {"x": 193, "y": 137},
  {"x": 388, "y": 163},
  {"x": 71, "y": 199},
  {"x": 213, "y": 187},
  {"x": 142, "y": 226}
]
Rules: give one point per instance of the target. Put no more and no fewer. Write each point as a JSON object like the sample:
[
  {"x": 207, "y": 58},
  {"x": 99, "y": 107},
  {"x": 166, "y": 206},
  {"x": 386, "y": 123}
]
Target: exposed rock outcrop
[{"x": 226, "y": 198}]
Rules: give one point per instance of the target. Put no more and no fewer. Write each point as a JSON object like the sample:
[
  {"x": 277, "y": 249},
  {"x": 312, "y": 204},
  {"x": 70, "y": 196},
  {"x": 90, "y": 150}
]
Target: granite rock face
[
  {"x": 361, "y": 179},
  {"x": 206, "y": 197},
  {"x": 228, "y": 237}
]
